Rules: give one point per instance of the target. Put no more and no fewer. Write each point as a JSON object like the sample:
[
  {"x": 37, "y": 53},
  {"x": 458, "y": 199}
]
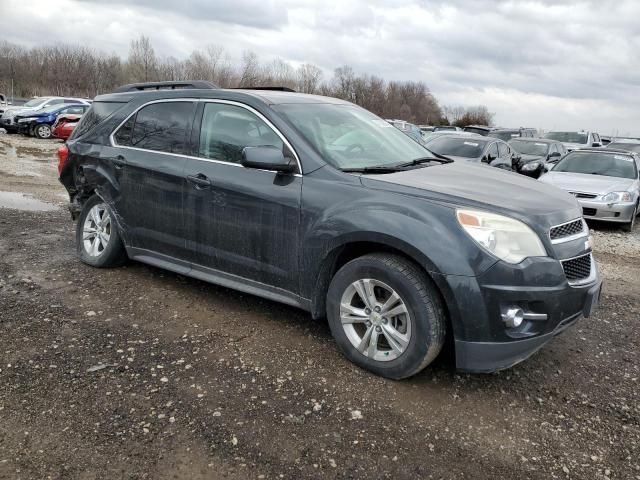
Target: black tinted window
[
  {"x": 98, "y": 112},
  {"x": 163, "y": 127},
  {"x": 227, "y": 129}
]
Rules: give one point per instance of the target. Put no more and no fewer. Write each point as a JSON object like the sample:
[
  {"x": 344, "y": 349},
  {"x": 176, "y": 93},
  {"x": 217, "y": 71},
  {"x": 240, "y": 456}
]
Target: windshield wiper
[
  {"x": 376, "y": 169},
  {"x": 419, "y": 161}
]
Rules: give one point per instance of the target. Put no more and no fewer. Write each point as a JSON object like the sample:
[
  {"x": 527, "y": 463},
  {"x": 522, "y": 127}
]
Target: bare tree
[
  {"x": 309, "y": 77},
  {"x": 76, "y": 70},
  {"x": 142, "y": 63}
]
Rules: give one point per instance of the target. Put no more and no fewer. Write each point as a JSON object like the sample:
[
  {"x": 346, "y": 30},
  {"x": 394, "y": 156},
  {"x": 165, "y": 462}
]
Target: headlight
[
  {"x": 28, "y": 119},
  {"x": 504, "y": 237},
  {"x": 614, "y": 197},
  {"x": 531, "y": 166}
]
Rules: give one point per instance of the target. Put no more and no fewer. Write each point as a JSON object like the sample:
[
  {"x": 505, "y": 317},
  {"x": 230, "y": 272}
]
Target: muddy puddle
[
  {"x": 21, "y": 201},
  {"x": 24, "y": 160}
]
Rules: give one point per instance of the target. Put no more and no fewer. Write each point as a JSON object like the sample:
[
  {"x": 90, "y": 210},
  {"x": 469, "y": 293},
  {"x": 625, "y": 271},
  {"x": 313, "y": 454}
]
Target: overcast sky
[{"x": 547, "y": 64}]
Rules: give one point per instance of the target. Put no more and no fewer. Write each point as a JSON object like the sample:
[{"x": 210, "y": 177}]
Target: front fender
[{"x": 425, "y": 231}]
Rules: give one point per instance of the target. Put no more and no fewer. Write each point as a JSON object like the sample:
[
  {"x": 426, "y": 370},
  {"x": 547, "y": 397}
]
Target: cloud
[{"x": 546, "y": 63}]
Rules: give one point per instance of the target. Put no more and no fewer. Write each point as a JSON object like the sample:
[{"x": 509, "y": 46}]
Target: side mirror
[
  {"x": 596, "y": 144},
  {"x": 266, "y": 158},
  {"x": 555, "y": 155}
]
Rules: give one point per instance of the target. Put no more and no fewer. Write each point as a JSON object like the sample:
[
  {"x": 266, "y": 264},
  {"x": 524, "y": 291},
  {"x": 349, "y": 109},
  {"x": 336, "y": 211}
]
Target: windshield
[
  {"x": 596, "y": 163},
  {"x": 504, "y": 136},
  {"x": 348, "y": 136},
  {"x": 458, "y": 146},
  {"x": 36, "y": 102},
  {"x": 632, "y": 147},
  {"x": 52, "y": 108},
  {"x": 530, "y": 148},
  {"x": 568, "y": 137}
]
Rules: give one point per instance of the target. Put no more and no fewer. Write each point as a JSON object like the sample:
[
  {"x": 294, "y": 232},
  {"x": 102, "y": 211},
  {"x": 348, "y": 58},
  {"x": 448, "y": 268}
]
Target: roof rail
[
  {"x": 139, "y": 87},
  {"x": 276, "y": 89}
]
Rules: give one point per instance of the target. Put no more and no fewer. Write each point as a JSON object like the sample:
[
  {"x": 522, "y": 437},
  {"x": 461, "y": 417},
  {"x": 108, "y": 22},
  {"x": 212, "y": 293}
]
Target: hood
[
  {"x": 34, "y": 113},
  {"x": 464, "y": 159},
  {"x": 13, "y": 111},
  {"x": 575, "y": 146},
  {"x": 530, "y": 158},
  {"x": 482, "y": 187},
  {"x": 586, "y": 183}
]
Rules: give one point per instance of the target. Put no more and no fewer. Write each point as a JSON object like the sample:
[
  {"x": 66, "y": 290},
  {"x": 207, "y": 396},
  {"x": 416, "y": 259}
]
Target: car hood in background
[
  {"x": 464, "y": 159},
  {"x": 586, "y": 183},
  {"x": 13, "y": 111},
  {"x": 575, "y": 146},
  {"x": 531, "y": 158},
  {"x": 483, "y": 187}
]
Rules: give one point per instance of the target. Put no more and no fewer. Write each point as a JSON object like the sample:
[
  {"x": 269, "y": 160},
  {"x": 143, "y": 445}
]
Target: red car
[{"x": 64, "y": 125}]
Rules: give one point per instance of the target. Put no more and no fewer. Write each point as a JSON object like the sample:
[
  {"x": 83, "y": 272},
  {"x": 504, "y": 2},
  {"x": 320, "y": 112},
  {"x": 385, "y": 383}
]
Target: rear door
[
  {"x": 238, "y": 220},
  {"x": 149, "y": 154}
]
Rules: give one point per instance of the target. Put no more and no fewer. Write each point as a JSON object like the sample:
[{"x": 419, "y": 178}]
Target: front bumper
[
  {"x": 608, "y": 212},
  {"x": 537, "y": 286}
]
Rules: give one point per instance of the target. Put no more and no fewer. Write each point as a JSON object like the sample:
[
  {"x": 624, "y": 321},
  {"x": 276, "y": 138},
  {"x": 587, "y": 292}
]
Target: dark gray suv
[{"x": 317, "y": 203}]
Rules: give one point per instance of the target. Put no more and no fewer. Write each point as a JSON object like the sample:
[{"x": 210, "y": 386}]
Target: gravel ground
[{"x": 140, "y": 373}]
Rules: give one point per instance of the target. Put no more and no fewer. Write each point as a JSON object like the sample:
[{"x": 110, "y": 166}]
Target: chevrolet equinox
[{"x": 318, "y": 203}]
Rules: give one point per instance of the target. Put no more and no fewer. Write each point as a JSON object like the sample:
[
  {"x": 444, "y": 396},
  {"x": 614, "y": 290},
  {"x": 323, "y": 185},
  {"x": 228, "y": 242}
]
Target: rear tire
[
  {"x": 399, "y": 328},
  {"x": 98, "y": 241}
]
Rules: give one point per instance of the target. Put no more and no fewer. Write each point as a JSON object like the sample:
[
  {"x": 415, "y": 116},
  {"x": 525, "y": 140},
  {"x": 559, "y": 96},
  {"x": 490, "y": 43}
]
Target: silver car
[{"x": 605, "y": 182}]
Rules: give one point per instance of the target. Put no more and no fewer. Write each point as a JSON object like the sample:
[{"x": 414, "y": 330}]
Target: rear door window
[
  {"x": 493, "y": 150},
  {"x": 162, "y": 127},
  {"x": 503, "y": 150}
]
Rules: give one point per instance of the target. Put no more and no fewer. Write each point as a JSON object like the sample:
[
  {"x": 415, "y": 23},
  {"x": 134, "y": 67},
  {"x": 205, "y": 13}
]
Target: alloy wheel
[
  {"x": 375, "y": 319},
  {"x": 96, "y": 231},
  {"x": 43, "y": 131}
]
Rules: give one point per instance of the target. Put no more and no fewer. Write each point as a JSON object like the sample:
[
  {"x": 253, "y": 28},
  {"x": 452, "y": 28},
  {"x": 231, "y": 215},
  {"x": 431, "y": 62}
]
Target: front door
[{"x": 239, "y": 220}]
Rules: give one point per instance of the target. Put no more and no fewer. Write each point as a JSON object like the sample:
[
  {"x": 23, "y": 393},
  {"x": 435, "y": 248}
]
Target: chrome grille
[
  {"x": 566, "y": 230},
  {"x": 583, "y": 195},
  {"x": 579, "y": 268}
]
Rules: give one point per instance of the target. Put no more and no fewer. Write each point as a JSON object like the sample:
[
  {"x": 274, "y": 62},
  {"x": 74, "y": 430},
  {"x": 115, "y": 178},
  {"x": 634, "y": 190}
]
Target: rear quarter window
[{"x": 98, "y": 113}]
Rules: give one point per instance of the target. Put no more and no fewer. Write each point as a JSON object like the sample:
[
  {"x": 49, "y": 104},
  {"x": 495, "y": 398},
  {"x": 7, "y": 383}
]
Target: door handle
[
  {"x": 199, "y": 181},
  {"x": 119, "y": 162}
]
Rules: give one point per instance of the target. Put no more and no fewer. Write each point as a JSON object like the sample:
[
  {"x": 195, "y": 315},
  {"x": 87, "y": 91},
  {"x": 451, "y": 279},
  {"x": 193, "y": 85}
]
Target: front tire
[
  {"x": 98, "y": 241},
  {"x": 628, "y": 227},
  {"x": 386, "y": 315},
  {"x": 42, "y": 131}
]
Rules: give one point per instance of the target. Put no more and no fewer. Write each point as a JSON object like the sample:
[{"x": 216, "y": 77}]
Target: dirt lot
[{"x": 140, "y": 373}]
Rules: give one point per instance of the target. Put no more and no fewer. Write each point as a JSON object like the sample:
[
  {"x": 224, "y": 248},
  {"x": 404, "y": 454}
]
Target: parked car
[
  {"x": 506, "y": 134},
  {"x": 574, "y": 140},
  {"x": 7, "y": 119},
  {"x": 408, "y": 129},
  {"x": 625, "y": 144},
  {"x": 477, "y": 149},
  {"x": 64, "y": 125},
  {"x": 446, "y": 128},
  {"x": 4, "y": 103},
  {"x": 479, "y": 129},
  {"x": 39, "y": 123},
  {"x": 605, "y": 182},
  {"x": 535, "y": 153},
  {"x": 430, "y": 136},
  {"x": 426, "y": 129},
  {"x": 315, "y": 202}
]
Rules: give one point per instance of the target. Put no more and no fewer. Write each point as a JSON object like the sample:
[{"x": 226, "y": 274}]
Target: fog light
[{"x": 513, "y": 317}]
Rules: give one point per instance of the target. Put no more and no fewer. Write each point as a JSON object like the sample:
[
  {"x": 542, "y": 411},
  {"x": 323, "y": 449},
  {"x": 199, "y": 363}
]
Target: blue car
[{"x": 38, "y": 123}]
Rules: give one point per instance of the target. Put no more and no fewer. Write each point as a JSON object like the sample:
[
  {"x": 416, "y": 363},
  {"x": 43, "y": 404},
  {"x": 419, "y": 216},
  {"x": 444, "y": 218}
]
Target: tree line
[{"x": 80, "y": 71}]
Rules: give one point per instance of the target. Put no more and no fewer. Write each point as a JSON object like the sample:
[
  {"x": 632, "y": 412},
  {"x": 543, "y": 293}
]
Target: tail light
[{"x": 63, "y": 154}]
